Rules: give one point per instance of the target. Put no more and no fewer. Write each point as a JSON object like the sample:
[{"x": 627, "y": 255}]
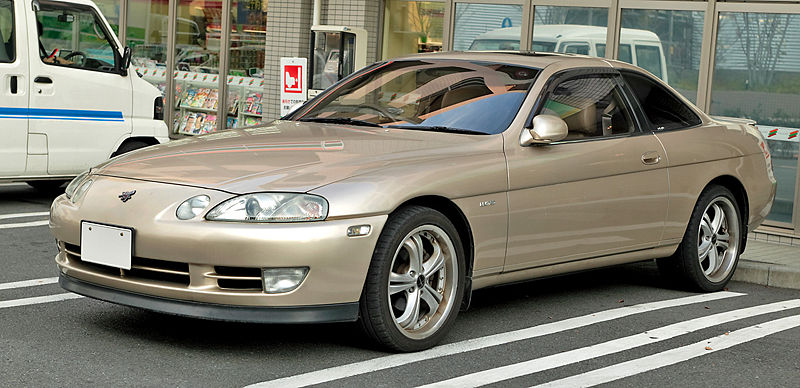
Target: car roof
[
  {"x": 567, "y": 31},
  {"x": 522, "y": 58}
]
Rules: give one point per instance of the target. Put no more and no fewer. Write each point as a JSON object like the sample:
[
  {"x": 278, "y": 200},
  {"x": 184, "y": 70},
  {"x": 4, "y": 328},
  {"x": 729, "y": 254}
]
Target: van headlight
[
  {"x": 271, "y": 207},
  {"x": 78, "y": 186}
]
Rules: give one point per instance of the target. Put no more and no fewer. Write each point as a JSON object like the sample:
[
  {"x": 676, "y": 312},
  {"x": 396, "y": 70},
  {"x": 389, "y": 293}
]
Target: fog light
[
  {"x": 279, "y": 280},
  {"x": 358, "y": 230}
]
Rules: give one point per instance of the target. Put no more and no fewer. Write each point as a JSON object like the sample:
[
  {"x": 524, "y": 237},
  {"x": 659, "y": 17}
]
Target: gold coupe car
[{"x": 398, "y": 191}]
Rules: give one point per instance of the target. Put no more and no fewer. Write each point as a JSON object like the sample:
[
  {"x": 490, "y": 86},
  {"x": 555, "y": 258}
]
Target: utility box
[{"x": 336, "y": 52}]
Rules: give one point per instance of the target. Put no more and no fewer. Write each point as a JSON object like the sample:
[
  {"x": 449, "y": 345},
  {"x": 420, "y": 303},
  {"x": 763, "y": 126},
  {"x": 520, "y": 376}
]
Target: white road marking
[
  {"x": 28, "y": 283},
  {"x": 22, "y": 215},
  {"x": 12, "y": 184},
  {"x": 38, "y": 300},
  {"x": 395, "y": 360},
  {"x": 674, "y": 356},
  {"x": 24, "y": 224},
  {"x": 614, "y": 346}
]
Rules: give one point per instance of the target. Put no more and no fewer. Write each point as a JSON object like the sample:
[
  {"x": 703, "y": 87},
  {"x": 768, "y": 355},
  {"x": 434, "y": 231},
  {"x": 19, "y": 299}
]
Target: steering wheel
[
  {"x": 74, "y": 54},
  {"x": 382, "y": 112}
]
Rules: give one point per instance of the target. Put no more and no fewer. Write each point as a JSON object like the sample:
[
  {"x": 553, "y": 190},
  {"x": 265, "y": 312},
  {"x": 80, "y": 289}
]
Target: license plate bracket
[{"x": 106, "y": 244}]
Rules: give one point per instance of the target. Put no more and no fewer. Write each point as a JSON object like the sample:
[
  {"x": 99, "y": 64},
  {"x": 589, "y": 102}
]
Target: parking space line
[
  {"x": 674, "y": 356},
  {"x": 395, "y": 360},
  {"x": 610, "y": 347},
  {"x": 38, "y": 299},
  {"x": 24, "y": 224},
  {"x": 28, "y": 283},
  {"x": 23, "y": 215},
  {"x": 12, "y": 184}
]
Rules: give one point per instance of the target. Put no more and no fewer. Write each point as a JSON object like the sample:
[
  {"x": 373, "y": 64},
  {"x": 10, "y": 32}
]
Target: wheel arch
[
  {"x": 740, "y": 194},
  {"x": 459, "y": 220},
  {"x": 149, "y": 140}
]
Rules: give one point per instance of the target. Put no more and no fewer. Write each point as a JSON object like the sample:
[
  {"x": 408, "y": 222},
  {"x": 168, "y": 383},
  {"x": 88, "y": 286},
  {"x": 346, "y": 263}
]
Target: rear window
[
  {"x": 664, "y": 110},
  {"x": 649, "y": 58}
]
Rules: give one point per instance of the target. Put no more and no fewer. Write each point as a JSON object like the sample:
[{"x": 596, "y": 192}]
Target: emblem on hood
[{"x": 126, "y": 195}]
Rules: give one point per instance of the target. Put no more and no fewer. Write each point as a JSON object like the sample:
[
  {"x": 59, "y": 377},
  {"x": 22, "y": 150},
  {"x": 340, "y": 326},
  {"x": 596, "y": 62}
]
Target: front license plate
[{"x": 106, "y": 245}]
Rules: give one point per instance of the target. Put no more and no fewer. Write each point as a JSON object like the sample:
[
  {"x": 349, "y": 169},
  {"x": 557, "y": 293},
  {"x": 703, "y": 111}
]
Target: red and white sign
[{"x": 293, "y": 83}]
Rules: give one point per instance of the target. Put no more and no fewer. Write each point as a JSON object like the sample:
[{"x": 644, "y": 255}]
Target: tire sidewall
[{"x": 400, "y": 224}]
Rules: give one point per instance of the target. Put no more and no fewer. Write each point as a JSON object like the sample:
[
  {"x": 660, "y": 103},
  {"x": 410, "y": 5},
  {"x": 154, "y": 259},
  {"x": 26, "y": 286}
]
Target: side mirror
[
  {"x": 546, "y": 129},
  {"x": 126, "y": 61}
]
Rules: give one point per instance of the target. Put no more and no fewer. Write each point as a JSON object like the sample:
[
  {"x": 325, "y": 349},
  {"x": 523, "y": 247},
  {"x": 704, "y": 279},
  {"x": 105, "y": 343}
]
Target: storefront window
[
  {"x": 412, "y": 27},
  {"x": 757, "y": 76},
  {"x": 110, "y": 9},
  {"x": 197, "y": 44},
  {"x": 665, "y": 43},
  {"x": 147, "y": 26},
  {"x": 487, "y": 27},
  {"x": 576, "y": 30},
  {"x": 246, "y": 70}
]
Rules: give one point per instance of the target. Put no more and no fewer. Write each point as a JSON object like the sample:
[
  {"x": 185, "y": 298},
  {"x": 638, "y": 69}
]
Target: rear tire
[
  {"x": 415, "y": 281},
  {"x": 707, "y": 257},
  {"x": 130, "y": 146}
]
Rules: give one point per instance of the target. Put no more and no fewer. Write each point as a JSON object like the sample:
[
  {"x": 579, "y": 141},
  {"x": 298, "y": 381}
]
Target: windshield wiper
[
  {"x": 340, "y": 120},
  {"x": 438, "y": 128}
]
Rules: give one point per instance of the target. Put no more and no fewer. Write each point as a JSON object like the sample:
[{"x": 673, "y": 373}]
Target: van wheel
[
  {"x": 130, "y": 146},
  {"x": 709, "y": 252},
  {"x": 415, "y": 281},
  {"x": 47, "y": 186}
]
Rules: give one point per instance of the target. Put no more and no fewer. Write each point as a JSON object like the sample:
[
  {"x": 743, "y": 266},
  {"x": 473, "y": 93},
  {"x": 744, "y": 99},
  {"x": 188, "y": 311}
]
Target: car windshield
[{"x": 427, "y": 94}]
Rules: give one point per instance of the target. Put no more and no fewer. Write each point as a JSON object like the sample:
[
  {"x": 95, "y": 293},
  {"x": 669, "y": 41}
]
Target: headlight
[
  {"x": 192, "y": 207},
  {"x": 78, "y": 186},
  {"x": 271, "y": 207}
]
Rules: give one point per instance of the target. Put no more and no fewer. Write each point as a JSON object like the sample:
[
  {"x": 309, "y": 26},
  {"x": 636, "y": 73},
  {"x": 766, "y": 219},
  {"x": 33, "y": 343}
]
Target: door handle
[
  {"x": 651, "y": 157},
  {"x": 43, "y": 80},
  {"x": 14, "y": 85}
]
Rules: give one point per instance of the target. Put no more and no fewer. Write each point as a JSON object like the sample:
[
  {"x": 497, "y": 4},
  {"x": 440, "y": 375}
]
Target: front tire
[
  {"x": 709, "y": 252},
  {"x": 415, "y": 281}
]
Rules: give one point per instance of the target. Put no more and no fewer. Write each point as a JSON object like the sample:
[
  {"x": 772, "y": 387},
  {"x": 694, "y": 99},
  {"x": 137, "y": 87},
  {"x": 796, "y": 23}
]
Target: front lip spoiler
[{"x": 342, "y": 312}]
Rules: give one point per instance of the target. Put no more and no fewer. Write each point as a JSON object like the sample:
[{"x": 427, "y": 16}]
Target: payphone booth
[{"x": 336, "y": 52}]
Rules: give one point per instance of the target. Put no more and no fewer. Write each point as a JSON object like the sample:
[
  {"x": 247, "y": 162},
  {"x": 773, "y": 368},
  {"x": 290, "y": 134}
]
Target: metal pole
[
  {"x": 169, "y": 103},
  {"x": 224, "y": 54}
]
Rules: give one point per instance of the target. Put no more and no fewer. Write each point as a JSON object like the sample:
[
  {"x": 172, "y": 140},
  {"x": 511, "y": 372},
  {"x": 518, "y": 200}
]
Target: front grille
[
  {"x": 141, "y": 268},
  {"x": 238, "y": 278}
]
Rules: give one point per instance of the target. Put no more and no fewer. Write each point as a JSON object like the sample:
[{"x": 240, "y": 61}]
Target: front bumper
[
  {"x": 202, "y": 262},
  {"x": 342, "y": 312}
]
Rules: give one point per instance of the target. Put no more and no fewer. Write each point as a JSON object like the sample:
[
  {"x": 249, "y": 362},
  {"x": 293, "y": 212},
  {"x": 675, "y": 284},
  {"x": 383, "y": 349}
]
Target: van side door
[
  {"x": 13, "y": 90},
  {"x": 79, "y": 99}
]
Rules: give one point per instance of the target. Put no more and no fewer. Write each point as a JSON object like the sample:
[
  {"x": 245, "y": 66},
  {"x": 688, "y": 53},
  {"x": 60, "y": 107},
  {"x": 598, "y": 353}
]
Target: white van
[
  {"x": 67, "y": 98},
  {"x": 638, "y": 47}
]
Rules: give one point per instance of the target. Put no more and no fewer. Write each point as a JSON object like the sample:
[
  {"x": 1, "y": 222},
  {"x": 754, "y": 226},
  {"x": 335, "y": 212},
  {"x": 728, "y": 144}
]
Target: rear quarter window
[{"x": 662, "y": 108}]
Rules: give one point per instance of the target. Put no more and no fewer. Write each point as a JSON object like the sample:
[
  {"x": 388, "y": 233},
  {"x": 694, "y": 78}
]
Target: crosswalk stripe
[
  {"x": 37, "y": 300},
  {"x": 28, "y": 283},
  {"x": 395, "y": 360},
  {"x": 23, "y": 215},
  {"x": 614, "y": 346},
  {"x": 24, "y": 224},
  {"x": 674, "y": 356}
]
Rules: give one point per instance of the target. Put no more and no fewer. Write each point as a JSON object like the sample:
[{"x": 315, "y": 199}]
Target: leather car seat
[{"x": 583, "y": 123}]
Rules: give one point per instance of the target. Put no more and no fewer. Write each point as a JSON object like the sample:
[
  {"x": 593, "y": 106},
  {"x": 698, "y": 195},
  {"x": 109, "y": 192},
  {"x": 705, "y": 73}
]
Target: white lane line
[
  {"x": 24, "y": 224},
  {"x": 674, "y": 356},
  {"x": 28, "y": 283},
  {"x": 38, "y": 300},
  {"x": 614, "y": 346},
  {"x": 395, "y": 360},
  {"x": 23, "y": 215}
]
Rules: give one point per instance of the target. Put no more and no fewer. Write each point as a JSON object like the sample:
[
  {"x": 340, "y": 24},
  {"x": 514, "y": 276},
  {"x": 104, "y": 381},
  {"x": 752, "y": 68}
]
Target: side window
[
  {"x": 662, "y": 108},
  {"x": 576, "y": 48},
  {"x": 625, "y": 53},
  {"x": 74, "y": 36},
  {"x": 7, "y": 49},
  {"x": 591, "y": 105},
  {"x": 649, "y": 58}
]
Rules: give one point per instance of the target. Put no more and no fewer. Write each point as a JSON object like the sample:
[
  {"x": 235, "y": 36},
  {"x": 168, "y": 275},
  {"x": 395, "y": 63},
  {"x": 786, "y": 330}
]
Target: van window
[
  {"x": 543, "y": 47},
  {"x": 624, "y": 52},
  {"x": 494, "y": 44},
  {"x": 649, "y": 58},
  {"x": 575, "y": 48},
  {"x": 7, "y": 53},
  {"x": 662, "y": 108},
  {"x": 73, "y": 35}
]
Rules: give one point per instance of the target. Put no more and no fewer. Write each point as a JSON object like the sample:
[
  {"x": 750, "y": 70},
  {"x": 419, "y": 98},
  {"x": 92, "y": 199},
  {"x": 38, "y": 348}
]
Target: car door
[
  {"x": 600, "y": 191},
  {"x": 79, "y": 100},
  {"x": 14, "y": 100}
]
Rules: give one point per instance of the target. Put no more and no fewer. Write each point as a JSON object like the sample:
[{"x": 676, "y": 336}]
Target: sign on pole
[{"x": 294, "y": 88}]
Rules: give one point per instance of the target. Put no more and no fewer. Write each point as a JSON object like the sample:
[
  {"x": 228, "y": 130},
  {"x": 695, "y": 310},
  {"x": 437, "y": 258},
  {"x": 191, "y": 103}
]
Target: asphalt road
[{"x": 621, "y": 327}]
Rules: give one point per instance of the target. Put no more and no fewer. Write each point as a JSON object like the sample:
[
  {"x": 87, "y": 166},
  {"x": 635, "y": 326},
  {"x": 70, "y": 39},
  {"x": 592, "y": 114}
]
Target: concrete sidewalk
[{"x": 769, "y": 263}]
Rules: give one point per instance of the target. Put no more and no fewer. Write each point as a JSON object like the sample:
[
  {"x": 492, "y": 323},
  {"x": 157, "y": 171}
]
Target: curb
[{"x": 772, "y": 275}]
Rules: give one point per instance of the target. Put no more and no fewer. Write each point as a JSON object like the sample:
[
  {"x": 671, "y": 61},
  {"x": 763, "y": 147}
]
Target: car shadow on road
[{"x": 27, "y": 194}]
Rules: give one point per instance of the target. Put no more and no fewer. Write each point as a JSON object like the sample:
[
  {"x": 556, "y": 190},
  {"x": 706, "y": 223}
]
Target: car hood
[{"x": 284, "y": 156}]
